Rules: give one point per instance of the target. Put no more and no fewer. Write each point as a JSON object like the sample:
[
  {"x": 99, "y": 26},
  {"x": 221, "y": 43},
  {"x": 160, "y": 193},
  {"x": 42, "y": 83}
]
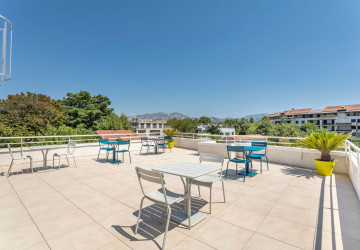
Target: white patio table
[
  {"x": 189, "y": 171},
  {"x": 44, "y": 150}
]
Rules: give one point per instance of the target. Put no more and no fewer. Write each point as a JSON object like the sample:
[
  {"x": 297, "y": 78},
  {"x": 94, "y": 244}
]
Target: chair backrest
[
  {"x": 217, "y": 158},
  {"x": 101, "y": 141},
  {"x": 127, "y": 142},
  {"x": 71, "y": 146},
  {"x": 262, "y": 144},
  {"x": 235, "y": 149},
  {"x": 151, "y": 176},
  {"x": 167, "y": 138},
  {"x": 144, "y": 140}
]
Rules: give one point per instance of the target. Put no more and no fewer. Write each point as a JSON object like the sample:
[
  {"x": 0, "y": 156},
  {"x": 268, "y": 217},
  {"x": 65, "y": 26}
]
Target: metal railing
[
  {"x": 87, "y": 140},
  {"x": 353, "y": 153}
]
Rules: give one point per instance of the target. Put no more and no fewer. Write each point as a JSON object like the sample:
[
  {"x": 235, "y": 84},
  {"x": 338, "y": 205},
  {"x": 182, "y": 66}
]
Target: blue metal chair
[
  {"x": 127, "y": 142},
  {"x": 237, "y": 149},
  {"x": 145, "y": 143},
  {"x": 165, "y": 143},
  {"x": 104, "y": 146},
  {"x": 260, "y": 156}
]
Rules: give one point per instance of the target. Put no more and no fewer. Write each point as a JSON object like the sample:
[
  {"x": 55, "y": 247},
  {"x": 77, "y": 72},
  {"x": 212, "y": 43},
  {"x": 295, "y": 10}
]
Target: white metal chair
[
  {"x": 69, "y": 152},
  {"x": 18, "y": 158},
  {"x": 160, "y": 196},
  {"x": 208, "y": 180}
]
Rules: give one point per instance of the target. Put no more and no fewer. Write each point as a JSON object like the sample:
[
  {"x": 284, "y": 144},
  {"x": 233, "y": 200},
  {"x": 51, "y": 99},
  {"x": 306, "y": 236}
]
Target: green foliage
[
  {"x": 186, "y": 125},
  {"x": 171, "y": 133},
  {"x": 325, "y": 142},
  {"x": 214, "y": 129},
  {"x": 252, "y": 120},
  {"x": 231, "y": 122},
  {"x": 204, "y": 120},
  {"x": 286, "y": 130},
  {"x": 113, "y": 122},
  {"x": 356, "y": 142},
  {"x": 29, "y": 114},
  {"x": 309, "y": 128},
  {"x": 264, "y": 127},
  {"x": 86, "y": 110}
]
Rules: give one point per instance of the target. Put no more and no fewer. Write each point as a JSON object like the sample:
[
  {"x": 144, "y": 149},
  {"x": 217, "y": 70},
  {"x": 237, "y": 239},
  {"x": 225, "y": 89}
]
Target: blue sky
[{"x": 215, "y": 58}]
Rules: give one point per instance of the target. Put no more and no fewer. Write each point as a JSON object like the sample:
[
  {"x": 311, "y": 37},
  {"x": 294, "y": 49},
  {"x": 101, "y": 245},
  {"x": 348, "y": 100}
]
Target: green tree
[
  {"x": 204, "y": 120},
  {"x": 231, "y": 122},
  {"x": 113, "y": 122},
  {"x": 286, "y": 130},
  {"x": 243, "y": 126},
  {"x": 186, "y": 125},
  {"x": 86, "y": 110},
  {"x": 214, "y": 129},
  {"x": 252, "y": 120},
  {"x": 29, "y": 114},
  {"x": 308, "y": 128},
  {"x": 265, "y": 127}
]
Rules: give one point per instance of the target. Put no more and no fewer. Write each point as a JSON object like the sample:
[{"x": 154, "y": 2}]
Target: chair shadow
[
  {"x": 232, "y": 175},
  {"x": 152, "y": 222}
]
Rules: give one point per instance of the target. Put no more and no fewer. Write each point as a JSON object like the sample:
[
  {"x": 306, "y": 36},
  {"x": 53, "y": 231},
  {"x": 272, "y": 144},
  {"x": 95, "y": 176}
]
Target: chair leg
[
  {"x": 168, "y": 209},
  {"x": 67, "y": 160},
  {"x": 267, "y": 162},
  {"x": 147, "y": 151},
  {"x": 130, "y": 157},
  {"x": 31, "y": 165},
  {"x": 59, "y": 163},
  {"x": 11, "y": 164},
  {"x": 210, "y": 197},
  {"x": 236, "y": 168},
  {"x": 74, "y": 160},
  {"x": 54, "y": 161},
  {"x": 199, "y": 190},
  {"x": 227, "y": 168},
  {"x": 140, "y": 149},
  {"x": 99, "y": 153},
  {"x": 260, "y": 165},
  {"x": 138, "y": 219},
  {"x": 222, "y": 182}
]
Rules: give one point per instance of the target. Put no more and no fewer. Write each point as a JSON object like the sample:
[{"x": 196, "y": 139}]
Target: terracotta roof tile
[{"x": 342, "y": 107}]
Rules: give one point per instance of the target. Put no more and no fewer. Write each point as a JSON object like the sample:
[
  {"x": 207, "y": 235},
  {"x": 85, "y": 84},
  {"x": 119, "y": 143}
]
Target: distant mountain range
[{"x": 164, "y": 116}]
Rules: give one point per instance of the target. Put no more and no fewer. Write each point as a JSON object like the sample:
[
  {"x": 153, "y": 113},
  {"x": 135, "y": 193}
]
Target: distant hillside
[
  {"x": 161, "y": 116},
  {"x": 257, "y": 117}
]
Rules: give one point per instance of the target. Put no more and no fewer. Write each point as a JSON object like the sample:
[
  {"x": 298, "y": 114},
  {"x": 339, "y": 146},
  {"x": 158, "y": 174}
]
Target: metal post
[{"x": 3, "y": 59}]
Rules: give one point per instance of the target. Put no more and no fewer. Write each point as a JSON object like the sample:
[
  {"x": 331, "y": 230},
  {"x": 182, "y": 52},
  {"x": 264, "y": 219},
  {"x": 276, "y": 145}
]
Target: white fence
[{"x": 353, "y": 153}]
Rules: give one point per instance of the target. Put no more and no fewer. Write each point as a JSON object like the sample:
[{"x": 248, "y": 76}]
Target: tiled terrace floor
[{"x": 94, "y": 206}]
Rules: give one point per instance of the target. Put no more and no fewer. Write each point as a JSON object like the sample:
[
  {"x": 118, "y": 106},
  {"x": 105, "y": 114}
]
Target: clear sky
[{"x": 203, "y": 57}]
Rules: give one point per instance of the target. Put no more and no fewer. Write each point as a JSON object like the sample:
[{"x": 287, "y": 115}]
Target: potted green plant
[
  {"x": 171, "y": 133},
  {"x": 325, "y": 142}
]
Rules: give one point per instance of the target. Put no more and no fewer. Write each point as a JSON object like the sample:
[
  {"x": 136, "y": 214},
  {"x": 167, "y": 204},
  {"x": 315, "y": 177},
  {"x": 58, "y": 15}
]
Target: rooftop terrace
[{"x": 94, "y": 206}]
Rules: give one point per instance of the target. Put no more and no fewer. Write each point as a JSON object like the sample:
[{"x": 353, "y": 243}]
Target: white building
[
  {"x": 227, "y": 131},
  {"x": 345, "y": 118},
  {"x": 148, "y": 126}
]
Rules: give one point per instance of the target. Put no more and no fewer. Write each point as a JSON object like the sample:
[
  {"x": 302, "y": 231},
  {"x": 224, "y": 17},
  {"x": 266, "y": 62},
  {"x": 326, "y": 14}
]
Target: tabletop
[
  {"x": 111, "y": 142},
  {"x": 47, "y": 147},
  {"x": 187, "y": 169}
]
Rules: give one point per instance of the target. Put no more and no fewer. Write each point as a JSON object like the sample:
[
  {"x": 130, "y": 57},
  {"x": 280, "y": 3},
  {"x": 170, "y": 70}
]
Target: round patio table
[{"x": 156, "y": 142}]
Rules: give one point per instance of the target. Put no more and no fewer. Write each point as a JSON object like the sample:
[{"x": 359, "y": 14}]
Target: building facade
[
  {"x": 345, "y": 118},
  {"x": 148, "y": 126}
]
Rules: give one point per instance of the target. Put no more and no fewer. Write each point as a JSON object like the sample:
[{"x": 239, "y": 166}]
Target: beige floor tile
[
  {"x": 104, "y": 208},
  {"x": 63, "y": 223},
  {"x": 222, "y": 235},
  {"x": 300, "y": 200},
  {"x": 115, "y": 245},
  {"x": 191, "y": 243},
  {"x": 266, "y": 192},
  {"x": 21, "y": 238},
  {"x": 90, "y": 236},
  {"x": 255, "y": 204},
  {"x": 258, "y": 242},
  {"x": 242, "y": 217},
  {"x": 293, "y": 233},
  {"x": 19, "y": 219},
  {"x": 294, "y": 213}
]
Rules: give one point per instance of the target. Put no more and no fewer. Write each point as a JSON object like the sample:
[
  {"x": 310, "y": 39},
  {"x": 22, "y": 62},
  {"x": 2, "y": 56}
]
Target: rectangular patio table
[
  {"x": 189, "y": 171},
  {"x": 248, "y": 152},
  {"x": 45, "y": 150},
  {"x": 113, "y": 144}
]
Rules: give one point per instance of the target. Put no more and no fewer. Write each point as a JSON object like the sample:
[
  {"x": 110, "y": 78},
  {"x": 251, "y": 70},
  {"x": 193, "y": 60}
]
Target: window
[
  {"x": 318, "y": 115},
  {"x": 297, "y": 122},
  {"x": 353, "y": 127},
  {"x": 148, "y": 125},
  {"x": 160, "y": 125},
  {"x": 142, "y": 125},
  {"x": 358, "y": 120},
  {"x": 353, "y": 120},
  {"x": 154, "y": 125},
  {"x": 302, "y": 122}
]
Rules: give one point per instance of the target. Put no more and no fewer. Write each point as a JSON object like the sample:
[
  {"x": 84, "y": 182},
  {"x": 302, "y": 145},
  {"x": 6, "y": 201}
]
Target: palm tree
[{"x": 325, "y": 142}]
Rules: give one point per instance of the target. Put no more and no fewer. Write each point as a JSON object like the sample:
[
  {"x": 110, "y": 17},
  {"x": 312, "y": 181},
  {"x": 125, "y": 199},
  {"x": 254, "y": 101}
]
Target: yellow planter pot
[
  {"x": 324, "y": 167},
  {"x": 171, "y": 144}
]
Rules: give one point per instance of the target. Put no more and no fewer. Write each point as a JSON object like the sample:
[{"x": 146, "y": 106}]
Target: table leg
[{"x": 45, "y": 153}]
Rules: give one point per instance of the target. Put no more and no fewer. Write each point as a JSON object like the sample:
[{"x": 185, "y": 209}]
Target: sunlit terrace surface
[{"x": 95, "y": 206}]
